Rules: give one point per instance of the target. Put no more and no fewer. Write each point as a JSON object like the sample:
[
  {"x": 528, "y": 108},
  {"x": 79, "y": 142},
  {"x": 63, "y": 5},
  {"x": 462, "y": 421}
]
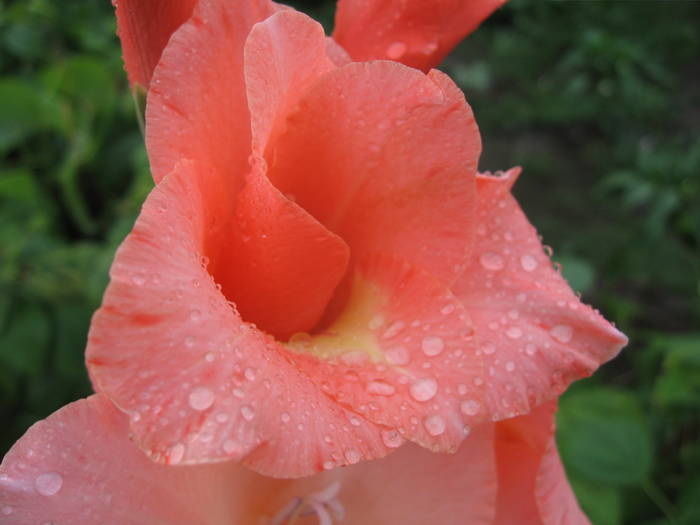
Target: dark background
[{"x": 599, "y": 101}]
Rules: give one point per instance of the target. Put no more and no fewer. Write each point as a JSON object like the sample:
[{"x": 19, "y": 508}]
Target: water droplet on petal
[
  {"x": 562, "y": 333},
  {"x": 380, "y": 388},
  {"x": 488, "y": 348},
  {"x": 48, "y": 484},
  {"x": 247, "y": 412},
  {"x": 6, "y": 510},
  {"x": 392, "y": 438},
  {"x": 470, "y": 407},
  {"x": 195, "y": 315},
  {"x": 285, "y": 417},
  {"x": 352, "y": 456},
  {"x": 492, "y": 261},
  {"x": 435, "y": 425},
  {"x": 327, "y": 465},
  {"x": 528, "y": 262},
  {"x": 230, "y": 446},
  {"x": 249, "y": 374},
  {"x": 447, "y": 309},
  {"x": 201, "y": 398},
  {"x": 514, "y": 332},
  {"x": 432, "y": 345},
  {"x": 397, "y": 355},
  {"x": 176, "y": 454},
  {"x": 396, "y": 50},
  {"x": 423, "y": 389},
  {"x": 510, "y": 366}
]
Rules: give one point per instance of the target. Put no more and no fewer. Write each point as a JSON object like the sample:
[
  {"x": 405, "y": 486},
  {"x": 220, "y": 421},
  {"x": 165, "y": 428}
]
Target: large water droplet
[
  {"x": 470, "y": 407},
  {"x": 7, "y": 510},
  {"x": 562, "y": 333},
  {"x": 492, "y": 261},
  {"x": 435, "y": 425},
  {"x": 201, "y": 398},
  {"x": 249, "y": 374},
  {"x": 48, "y": 484},
  {"x": 423, "y": 389},
  {"x": 396, "y": 50},
  {"x": 514, "y": 332},
  {"x": 432, "y": 345}
]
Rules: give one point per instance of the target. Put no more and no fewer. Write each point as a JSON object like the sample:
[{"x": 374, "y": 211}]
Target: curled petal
[
  {"x": 417, "y": 33},
  {"x": 199, "y": 383},
  {"x": 374, "y": 145},
  {"x": 534, "y": 333}
]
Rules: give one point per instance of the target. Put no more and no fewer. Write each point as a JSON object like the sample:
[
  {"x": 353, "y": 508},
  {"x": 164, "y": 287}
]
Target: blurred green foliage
[{"x": 599, "y": 101}]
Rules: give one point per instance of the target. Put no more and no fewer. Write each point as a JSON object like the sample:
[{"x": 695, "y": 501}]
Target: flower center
[{"x": 324, "y": 505}]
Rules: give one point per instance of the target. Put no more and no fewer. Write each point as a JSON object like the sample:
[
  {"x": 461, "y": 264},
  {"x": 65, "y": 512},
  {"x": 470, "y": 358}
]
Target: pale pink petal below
[
  {"x": 78, "y": 467},
  {"x": 534, "y": 333}
]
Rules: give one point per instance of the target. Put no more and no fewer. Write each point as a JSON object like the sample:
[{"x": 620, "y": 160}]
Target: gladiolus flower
[
  {"x": 320, "y": 274},
  {"x": 79, "y": 467}
]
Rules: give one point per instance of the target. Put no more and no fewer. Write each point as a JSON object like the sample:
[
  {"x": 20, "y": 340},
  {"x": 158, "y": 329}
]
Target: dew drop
[
  {"x": 462, "y": 389},
  {"x": 247, "y": 412},
  {"x": 48, "y": 484},
  {"x": 380, "y": 388},
  {"x": 510, "y": 366},
  {"x": 435, "y": 425},
  {"x": 492, "y": 261},
  {"x": 393, "y": 330},
  {"x": 530, "y": 349},
  {"x": 6, "y": 510},
  {"x": 352, "y": 456},
  {"x": 355, "y": 422},
  {"x": 396, "y": 50},
  {"x": 176, "y": 454},
  {"x": 195, "y": 315},
  {"x": 285, "y": 417},
  {"x": 447, "y": 309},
  {"x": 488, "y": 348},
  {"x": 528, "y": 262},
  {"x": 392, "y": 438},
  {"x": 432, "y": 345},
  {"x": 249, "y": 374},
  {"x": 397, "y": 355},
  {"x": 470, "y": 407},
  {"x": 514, "y": 332},
  {"x": 562, "y": 333},
  {"x": 230, "y": 446},
  {"x": 423, "y": 389},
  {"x": 201, "y": 398},
  {"x": 327, "y": 465},
  {"x": 376, "y": 322}
]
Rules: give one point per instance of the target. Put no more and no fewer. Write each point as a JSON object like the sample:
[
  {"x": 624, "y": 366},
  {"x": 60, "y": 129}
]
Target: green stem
[{"x": 659, "y": 498}]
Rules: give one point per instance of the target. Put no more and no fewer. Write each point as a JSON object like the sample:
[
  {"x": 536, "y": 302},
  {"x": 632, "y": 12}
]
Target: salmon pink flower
[
  {"x": 79, "y": 467},
  {"x": 417, "y": 33},
  {"x": 320, "y": 274}
]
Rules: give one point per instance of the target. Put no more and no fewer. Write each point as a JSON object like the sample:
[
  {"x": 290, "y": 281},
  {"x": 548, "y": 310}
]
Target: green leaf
[
  {"x": 23, "y": 111},
  {"x": 24, "y": 342},
  {"x": 604, "y": 436},
  {"x": 602, "y": 504},
  {"x": 578, "y": 272},
  {"x": 678, "y": 386}
]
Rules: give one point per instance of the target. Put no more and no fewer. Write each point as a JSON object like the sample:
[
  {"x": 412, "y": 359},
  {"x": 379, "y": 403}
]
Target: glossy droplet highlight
[
  {"x": 492, "y": 261},
  {"x": 396, "y": 50},
  {"x": 470, "y": 407},
  {"x": 528, "y": 262},
  {"x": 352, "y": 456},
  {"x": 247, "y": 412},
  {"x": 424, "y": 389},
  {"x": 432, "y": 346},
  {"x": 514, "y": 332},
  {"x": 562, "y": 333},
  {"x": 177, "y": 453},
  {"x": 48, "y": 484},
  {"x": 435, "y": 425},
  {"x": 380, "y": 388},
  {"x": 392, "y": 438},
  {"x": 201, "y": 398}
]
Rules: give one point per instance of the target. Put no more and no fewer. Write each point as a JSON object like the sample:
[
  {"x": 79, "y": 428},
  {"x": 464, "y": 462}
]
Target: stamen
[{"x": 324, "y": 504}]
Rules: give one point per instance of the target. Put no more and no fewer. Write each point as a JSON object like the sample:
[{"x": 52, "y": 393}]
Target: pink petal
[
  {"x": 533, "y": 489},
  {"x": 197, "y": 107},
  {"x": 284, "y": 55},
  {"x": 417, "y": 33},
  {"x": 144, "y": 28},
  {"x": 79, "y": 467},
  {"x": 200, "y": 384},
  {"x": 534, "y": 333},
  {"x": 401, "y": 355},
  {"x": 385, "y": 157}
]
